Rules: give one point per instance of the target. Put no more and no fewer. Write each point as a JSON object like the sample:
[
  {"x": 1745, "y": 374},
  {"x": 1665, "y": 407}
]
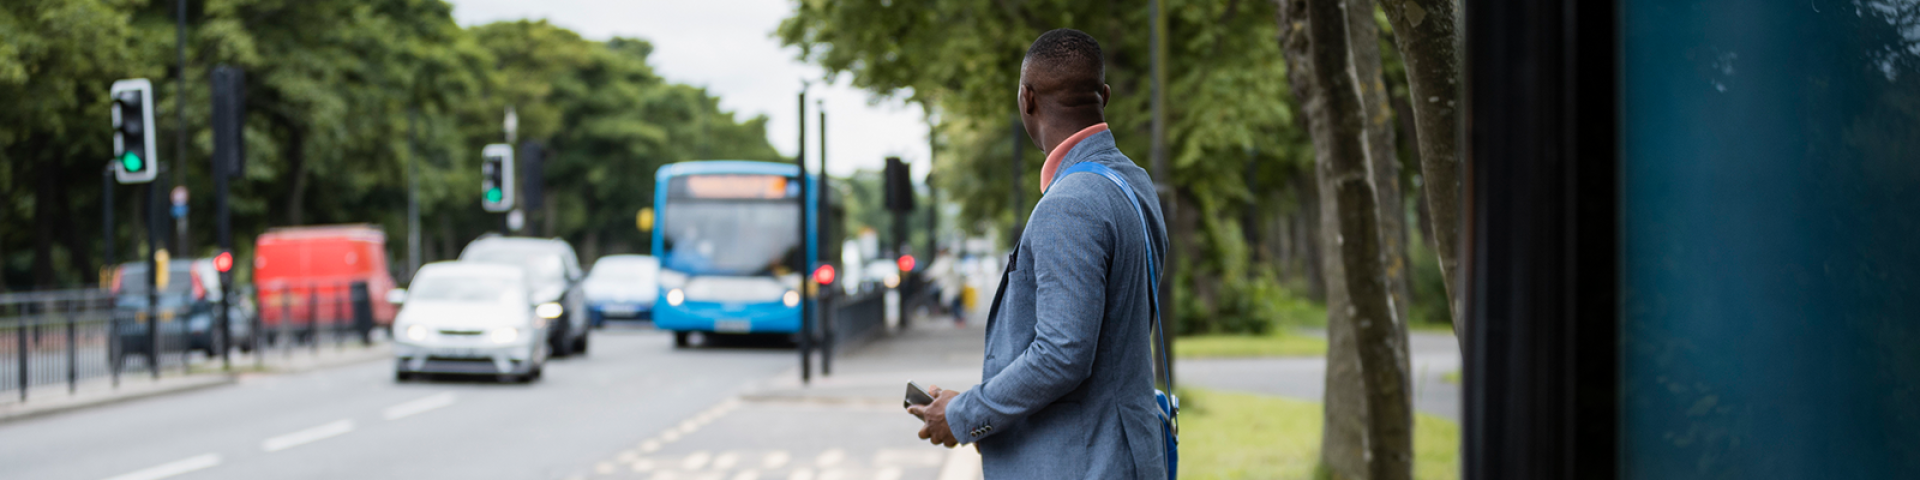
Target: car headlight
[
  {"x": 417, "y": 332},
  {"x": 675, "y": 296},
  {"x": 549, "y": 310},
  {"x": 504, "y": 335},
  {"x": 792, "y": 298}
]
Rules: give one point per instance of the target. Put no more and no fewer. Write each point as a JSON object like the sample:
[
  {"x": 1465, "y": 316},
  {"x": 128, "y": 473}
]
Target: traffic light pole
[
  {"x": 223, "y": 230},
  {"x": 153, "y": 278},
  {"x": 806, "y": 304},
  {"x": 820, "y": 241}
]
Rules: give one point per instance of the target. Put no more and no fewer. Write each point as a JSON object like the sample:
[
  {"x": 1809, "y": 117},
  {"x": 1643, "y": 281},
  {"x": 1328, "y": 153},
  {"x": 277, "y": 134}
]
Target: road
[{"x": 634, "y": 408}]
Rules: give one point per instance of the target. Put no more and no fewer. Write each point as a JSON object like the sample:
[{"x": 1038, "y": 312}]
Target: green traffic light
[
  {"x": 131, "y": 162},
  {"x": 493, "y": 194}
]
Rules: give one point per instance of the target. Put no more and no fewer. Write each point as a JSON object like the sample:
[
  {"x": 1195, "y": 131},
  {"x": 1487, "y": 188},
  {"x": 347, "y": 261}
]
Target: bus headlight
[
  {"x": 416, "y": 332},
  {"x": 549, "y": 310},
  {"x": 675, "y": 296},
  {"x": 792, "y": 298},
  {"x": 893, "y": 280},
  {"x": 504, "y": 335}
]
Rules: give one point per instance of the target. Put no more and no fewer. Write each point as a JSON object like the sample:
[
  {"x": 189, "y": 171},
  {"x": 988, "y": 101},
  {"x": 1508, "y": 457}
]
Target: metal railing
[{"x": 87, "y": 338}]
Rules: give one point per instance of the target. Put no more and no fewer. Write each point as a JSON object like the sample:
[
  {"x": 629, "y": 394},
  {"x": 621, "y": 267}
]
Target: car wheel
[
  {"x": 680, "y": 339},
  {"x": 402, "y": 377},
  {"x": 580, "y": 346}
]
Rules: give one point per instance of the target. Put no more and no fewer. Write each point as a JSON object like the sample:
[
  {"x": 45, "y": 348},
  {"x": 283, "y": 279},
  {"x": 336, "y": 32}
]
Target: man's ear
[
  {"x": 1027, "y": 104},
  {"x": 1106, "y": 93}
]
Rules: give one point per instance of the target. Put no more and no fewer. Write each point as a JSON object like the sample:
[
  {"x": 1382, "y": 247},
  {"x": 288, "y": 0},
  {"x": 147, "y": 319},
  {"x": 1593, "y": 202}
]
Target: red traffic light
[
  {"x": 223, "y": 262},
  {"x": 823, "y": 275},
  {"x": 906, "y": 263}
]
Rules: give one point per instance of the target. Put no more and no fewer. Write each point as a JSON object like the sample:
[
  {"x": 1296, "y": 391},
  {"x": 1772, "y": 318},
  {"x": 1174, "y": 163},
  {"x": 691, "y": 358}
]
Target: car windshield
[
  {"x": 543, "y": 265},
  {"x": 459, "y": 288},
  {"x": 622, "y": 270},
  {"x": 731, "y": 237}
]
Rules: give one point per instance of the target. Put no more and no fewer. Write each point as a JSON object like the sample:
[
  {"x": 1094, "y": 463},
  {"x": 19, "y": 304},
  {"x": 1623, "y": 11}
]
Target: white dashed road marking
[
  {"x": 303, "y": 437},
  {"x": 776, "y": 459},
  {"x": 963, "y": 463},
  {"x": 404, "y": 410},
  {"x": 174, "y": 468},
  {"x": 830, "y": 458}
]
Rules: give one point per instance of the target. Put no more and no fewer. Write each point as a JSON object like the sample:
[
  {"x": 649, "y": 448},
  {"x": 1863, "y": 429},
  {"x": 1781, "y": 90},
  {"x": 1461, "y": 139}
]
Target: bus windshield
[{"x": 730, "y": 237}]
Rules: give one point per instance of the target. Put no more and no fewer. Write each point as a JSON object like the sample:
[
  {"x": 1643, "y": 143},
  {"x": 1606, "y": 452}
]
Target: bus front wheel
[{"x": 680, "y": 339}]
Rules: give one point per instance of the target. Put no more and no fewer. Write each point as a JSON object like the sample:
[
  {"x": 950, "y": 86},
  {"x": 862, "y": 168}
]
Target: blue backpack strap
[{"x": 1153, "y": 272}]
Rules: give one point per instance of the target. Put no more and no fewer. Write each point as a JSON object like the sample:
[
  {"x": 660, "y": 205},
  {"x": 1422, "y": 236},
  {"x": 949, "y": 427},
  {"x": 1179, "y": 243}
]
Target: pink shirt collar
[{"x": 1060, "y": 152}]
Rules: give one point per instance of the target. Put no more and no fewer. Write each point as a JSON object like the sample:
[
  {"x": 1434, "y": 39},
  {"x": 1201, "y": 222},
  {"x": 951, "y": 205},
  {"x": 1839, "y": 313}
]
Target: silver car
[{"x": 472, "y": 319}]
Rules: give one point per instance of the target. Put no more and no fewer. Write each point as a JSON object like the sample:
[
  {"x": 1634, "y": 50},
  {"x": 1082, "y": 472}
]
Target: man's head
[{"x": 1062, "y": 85}]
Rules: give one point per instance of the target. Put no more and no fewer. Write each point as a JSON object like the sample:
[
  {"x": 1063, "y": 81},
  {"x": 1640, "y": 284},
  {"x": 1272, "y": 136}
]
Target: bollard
[
  {"x": 313, "y": 317},
  {"x": 363, "y": 312},
  {"x": 73, "y": 372}
]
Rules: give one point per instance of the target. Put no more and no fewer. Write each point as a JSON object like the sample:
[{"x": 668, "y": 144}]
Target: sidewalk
[
  {"x": 138, "y": 383},
  {"x": 848, "y": 425},
  {"x": 932, "y": 352}
]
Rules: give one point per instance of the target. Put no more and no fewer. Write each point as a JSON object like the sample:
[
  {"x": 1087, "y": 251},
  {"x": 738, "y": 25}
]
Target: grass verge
[
  {"x": 1243, "y": 436},
  {"x": 1279, "y": 344}
]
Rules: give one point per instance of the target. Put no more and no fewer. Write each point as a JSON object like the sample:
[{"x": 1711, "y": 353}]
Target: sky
[{"x": 728, "y": 47}]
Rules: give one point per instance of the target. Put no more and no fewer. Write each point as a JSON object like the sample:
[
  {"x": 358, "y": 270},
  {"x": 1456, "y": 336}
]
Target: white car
[{"x": 470, "y": 318}]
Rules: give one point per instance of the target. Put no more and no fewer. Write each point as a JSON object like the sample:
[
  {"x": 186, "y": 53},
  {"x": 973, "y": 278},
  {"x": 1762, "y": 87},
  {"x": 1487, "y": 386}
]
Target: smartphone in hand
[{"x": 916, "y": 396}]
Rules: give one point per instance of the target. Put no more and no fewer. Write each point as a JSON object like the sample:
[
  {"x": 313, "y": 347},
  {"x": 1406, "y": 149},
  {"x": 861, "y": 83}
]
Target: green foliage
[
  {"x": 1284, "y": 343},
  {"x": 1233, "y": 144},
  {"x": 341, "y": 97},
  {"x": 1429, "y": 308},
  {"x": 1226, "y": 435}
]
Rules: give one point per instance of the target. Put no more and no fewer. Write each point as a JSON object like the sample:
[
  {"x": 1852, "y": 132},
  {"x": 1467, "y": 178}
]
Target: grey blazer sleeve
[{"x": 1070, "y": 242}]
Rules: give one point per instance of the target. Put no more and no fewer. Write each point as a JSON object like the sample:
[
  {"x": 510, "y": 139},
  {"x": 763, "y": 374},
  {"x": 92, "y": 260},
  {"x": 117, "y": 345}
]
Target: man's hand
[{"x": 935, "y": 414}]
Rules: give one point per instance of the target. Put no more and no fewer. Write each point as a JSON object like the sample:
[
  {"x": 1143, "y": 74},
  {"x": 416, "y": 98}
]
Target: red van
[{"x": 304, "y": 274}]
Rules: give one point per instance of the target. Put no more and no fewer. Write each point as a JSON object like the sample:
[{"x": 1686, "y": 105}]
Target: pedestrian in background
[{"x": 1068, "y": 377}]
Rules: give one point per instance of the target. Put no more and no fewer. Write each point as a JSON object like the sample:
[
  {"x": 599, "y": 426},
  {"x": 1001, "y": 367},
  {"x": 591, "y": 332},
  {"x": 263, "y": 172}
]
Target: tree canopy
[
  {"x": 340, "y": 96},
  {"x": 1232, "y": 142}
]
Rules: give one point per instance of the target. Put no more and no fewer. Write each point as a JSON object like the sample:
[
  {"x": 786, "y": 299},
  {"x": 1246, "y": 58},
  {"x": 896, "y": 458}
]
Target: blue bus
[{"x": 727, "y": 234}]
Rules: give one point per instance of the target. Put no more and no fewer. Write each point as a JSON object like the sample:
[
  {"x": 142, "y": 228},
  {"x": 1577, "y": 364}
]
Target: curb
[
  {"x": 189, "y": 384},
  {"x": 195, "y": 382}
]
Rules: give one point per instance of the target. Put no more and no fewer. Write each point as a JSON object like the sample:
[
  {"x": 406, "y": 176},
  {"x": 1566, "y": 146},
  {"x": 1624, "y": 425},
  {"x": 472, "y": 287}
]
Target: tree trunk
[
  {"x": 1425, "y": 32},
  {"x": 1383, "y": 154},
  {"x": 1343, "y": 435},
  {"x": 1368, "y": 434}
]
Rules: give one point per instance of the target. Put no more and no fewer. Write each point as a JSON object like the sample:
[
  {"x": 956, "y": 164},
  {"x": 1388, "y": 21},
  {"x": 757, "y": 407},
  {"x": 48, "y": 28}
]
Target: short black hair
[{"x": 1072, "y": 55}]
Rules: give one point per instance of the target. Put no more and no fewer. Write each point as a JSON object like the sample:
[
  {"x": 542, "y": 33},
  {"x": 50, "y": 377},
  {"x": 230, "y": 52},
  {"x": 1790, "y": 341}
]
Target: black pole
[
  {"x": 180, "y": 112},
  {"x": 933, "y": 202},
  {"x": 223, "y": 231},
  {"x": 821, "y": 240},
  {"x": 109, "y": 266},
  {"x": 806, "y": 331},
  {"x": 153, "y": 279},
  {"x": 106, "y": 225}
]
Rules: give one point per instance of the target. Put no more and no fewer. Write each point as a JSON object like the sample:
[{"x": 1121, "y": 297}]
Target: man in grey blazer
[{"x": 1068, "y": 389}]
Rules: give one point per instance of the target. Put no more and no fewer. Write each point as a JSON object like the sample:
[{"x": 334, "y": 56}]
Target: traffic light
[
  {"x": 823, "y": 275},
  {"x": 133, "y": 158},
  {"x": 899, "y": 186},
  {"x": 906, "y": 263},
  {"x": 223, "y": 262},
  {"x": 496, "y": 177}
]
